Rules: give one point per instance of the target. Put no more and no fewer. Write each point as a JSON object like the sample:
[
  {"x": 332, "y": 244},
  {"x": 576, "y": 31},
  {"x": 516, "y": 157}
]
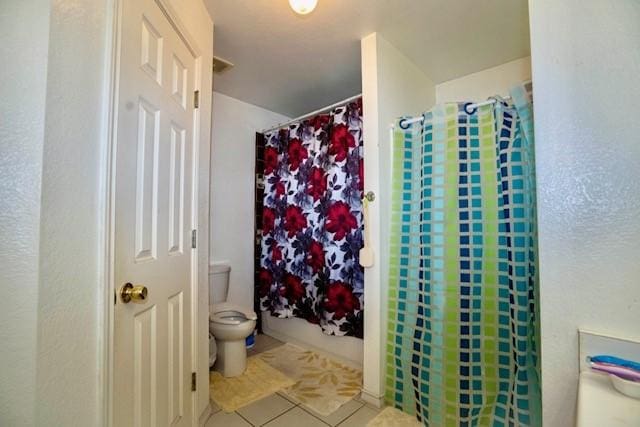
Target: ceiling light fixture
[{"x": 303, "y": 7}]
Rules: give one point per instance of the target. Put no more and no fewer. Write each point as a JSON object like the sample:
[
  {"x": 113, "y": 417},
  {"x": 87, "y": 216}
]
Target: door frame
[{"x": 106, "y": 304}]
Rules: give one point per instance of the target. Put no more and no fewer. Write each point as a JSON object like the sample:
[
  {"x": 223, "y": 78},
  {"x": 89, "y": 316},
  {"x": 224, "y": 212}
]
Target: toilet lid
[{"x": 231, "y": 314}]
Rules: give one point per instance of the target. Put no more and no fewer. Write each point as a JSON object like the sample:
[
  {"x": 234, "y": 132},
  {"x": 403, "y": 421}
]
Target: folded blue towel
[{"x": 612, "y": 360}]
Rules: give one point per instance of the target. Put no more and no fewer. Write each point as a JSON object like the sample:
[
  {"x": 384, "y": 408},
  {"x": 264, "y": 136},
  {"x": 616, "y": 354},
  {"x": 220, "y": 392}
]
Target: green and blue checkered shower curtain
[{"x": 462, "y": 339}]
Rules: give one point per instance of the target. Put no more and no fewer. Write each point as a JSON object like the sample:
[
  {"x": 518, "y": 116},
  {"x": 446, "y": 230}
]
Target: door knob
[{"x": 136, "y": 294}]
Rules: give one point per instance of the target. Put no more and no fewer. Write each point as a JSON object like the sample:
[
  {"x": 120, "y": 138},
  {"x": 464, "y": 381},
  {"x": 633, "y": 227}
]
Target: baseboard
[
  {"x": 204, "y": 416},
  {"x": 372, "y": 399}
]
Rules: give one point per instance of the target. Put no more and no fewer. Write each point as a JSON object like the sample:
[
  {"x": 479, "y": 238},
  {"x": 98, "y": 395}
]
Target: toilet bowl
[{"x": 231, "y": 325}]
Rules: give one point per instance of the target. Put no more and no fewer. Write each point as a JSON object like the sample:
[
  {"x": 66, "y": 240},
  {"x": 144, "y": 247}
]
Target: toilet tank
[{"x": 218, "y": 282}]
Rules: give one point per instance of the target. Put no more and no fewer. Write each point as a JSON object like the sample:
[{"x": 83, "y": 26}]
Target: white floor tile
[
  {"x": 361, "y": 417},
  {"x": 264, "y": 410},
  {"x": 296, "y": 418},
  {"x": 224, "y": 419},
  {"x": 338, "y": 416}
]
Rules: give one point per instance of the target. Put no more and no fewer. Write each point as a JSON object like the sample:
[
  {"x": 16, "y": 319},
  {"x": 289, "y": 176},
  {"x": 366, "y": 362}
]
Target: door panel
[
  {"x": 176, "y": 358},
  {"x": 176, "y": 190},
  {"x": 147, "y": 181},
  {"x": 145, "y": 368},
  {"x": 153, "y": 217}
]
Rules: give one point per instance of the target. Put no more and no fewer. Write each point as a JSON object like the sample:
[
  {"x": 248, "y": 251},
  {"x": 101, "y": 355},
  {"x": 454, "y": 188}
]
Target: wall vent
[{"x": 220, "y": 65}]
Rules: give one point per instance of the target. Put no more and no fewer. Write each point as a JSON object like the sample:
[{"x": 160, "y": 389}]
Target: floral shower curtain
[
  {"x": 463, "y": 346},
  {"x": 312, "y": 222}
]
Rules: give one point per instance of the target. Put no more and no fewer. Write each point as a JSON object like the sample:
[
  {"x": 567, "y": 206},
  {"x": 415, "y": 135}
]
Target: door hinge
[
  {"x": 194, "y": 238},
  {"x": 193, "y": 381},
  {"x": 196, "y": 99}
]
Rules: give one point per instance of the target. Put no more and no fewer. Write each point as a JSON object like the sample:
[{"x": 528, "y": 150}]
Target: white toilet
[{"x": 230, "y": 324}]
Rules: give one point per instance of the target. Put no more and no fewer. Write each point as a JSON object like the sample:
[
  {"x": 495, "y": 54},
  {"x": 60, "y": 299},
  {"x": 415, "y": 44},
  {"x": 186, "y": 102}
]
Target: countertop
[{"x": 599, "y": 404}]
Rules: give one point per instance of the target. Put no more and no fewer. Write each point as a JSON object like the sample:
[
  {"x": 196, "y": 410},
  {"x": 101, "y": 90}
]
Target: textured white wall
[
  {"x": 392, "y": 86},
  {"x": 586, "y": 73},
  {"x": 69, "y": 293},
  {"x": 54, "y": 100},
  {"x": 235, "y": 124},
  {"x": 24, "y": 31},
  {"x": 483, "y": 84}
]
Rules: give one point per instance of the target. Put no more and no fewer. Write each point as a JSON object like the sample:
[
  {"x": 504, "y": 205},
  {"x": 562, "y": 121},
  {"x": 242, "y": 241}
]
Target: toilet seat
[{"x": 231, "y": 314}]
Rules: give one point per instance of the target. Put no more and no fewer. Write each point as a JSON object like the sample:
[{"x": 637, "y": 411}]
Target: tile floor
[
  {"x": 263, "y": 343},
  {"x": 278, "y": 410}
]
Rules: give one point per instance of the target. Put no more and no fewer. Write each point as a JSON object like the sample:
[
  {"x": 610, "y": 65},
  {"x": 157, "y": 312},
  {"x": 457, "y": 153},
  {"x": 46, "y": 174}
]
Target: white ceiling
[{"x": 293, "y": 64}]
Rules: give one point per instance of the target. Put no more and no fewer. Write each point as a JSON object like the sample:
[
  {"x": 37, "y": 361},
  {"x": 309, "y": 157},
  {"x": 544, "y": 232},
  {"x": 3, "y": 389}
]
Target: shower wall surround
[
  {"x": 233, "y": 187},
  {"x": 392, "y": 85},
  {"x": 312, "y": 221},
  {"x": 232, "y": 219}
]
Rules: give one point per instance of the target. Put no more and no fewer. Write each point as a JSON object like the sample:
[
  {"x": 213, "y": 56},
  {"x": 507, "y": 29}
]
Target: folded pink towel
[{"x": 620, "y": 371}]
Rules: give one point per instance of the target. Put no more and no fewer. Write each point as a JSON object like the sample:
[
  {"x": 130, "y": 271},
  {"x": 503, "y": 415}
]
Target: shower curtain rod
[
  {"x": 416, "y": 119},
  {"x": 313, "y": 113}
]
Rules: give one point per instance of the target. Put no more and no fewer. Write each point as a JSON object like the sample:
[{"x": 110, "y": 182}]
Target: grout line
[
  {"x": 209, "y": 418},
  {"x": 343, "y": 421},
  {"x": 339, "y": 422},
  {"x": 212, "y": 403},
  {"x": 282, "y": 414},
  {"x": 314, "y": 416},
  {"x": 285, "y": 397},
  {"x": 268, "y": 421},
  {"x": 240, "y": 415}
]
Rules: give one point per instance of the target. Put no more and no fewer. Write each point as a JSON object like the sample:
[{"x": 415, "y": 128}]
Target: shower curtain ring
[
  {"x": 370, "y": 196},
  {"x": 466, "y": 108}
]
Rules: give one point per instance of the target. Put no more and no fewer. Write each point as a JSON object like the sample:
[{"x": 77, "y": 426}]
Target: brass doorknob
[{"x": 136, "y": 294}]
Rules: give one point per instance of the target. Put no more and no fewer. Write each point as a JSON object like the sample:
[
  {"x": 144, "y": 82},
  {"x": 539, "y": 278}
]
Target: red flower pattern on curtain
[{"x": 312, "y": 222}]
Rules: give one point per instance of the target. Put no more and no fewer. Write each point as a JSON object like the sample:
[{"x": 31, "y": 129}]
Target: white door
[{"x": 153, "y": 205}]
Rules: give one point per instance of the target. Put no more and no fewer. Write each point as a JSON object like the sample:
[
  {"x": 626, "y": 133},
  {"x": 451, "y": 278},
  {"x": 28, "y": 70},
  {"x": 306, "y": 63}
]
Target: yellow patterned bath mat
[
  {"x": 258, "y": 381},
  {"x": 322, "y": 384},
  {"x": 392, "y": 417}
]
